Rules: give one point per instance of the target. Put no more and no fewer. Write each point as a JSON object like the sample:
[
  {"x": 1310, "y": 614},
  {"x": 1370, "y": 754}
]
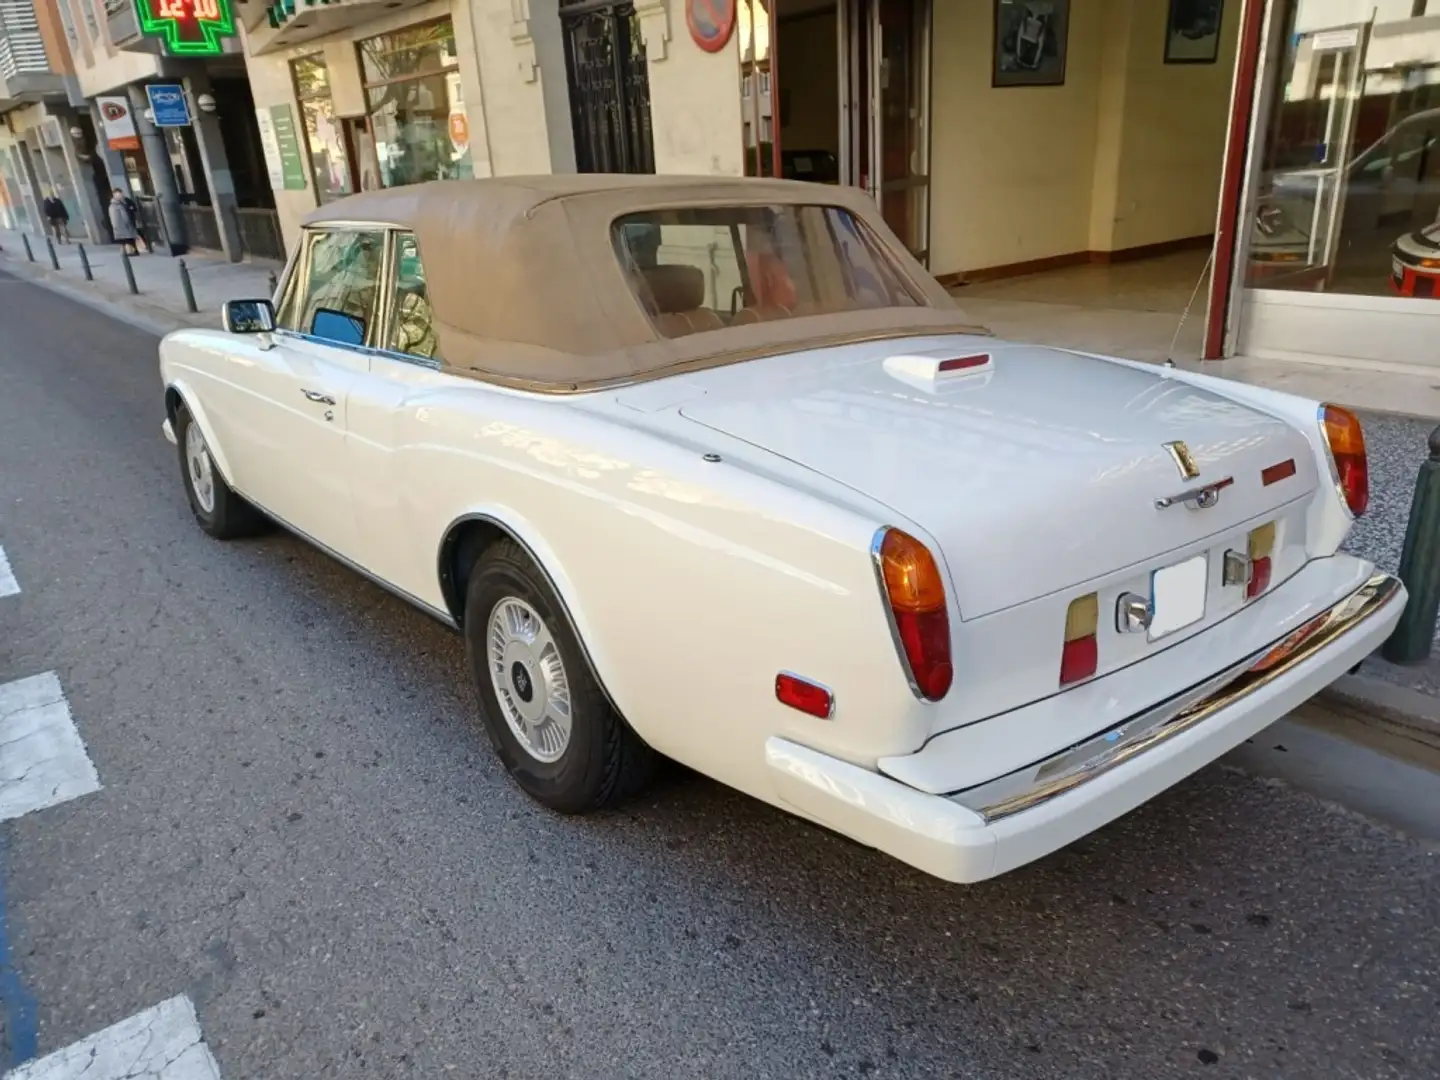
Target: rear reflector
[
  {"x": 1081, "y": 654},
  {"x": 802, "y": 694},
  {"x": 1260, "y": 548},
  {"x": 1275, "y": 473},
  {"x": 1259, "y": 578}
]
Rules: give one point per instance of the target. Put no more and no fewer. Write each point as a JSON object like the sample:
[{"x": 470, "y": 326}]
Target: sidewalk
[
  {"x": 159, "y": 304},
  {"x": 1394, "y": 710}
]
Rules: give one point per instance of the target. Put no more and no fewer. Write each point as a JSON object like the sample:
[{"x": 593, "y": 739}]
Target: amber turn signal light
[
  {"x": 1346, "y": 440},
  {"x": 914, "y": 594}
]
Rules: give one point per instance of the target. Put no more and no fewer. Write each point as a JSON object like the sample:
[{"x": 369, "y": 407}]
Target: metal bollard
[
  {"x": 84, "y": 262},
  {"x": 129, "y": 272},
  {"x": 188, "y": 288},
  {"x": 28, "y": 253},
  {"x": 1420, "y": 567},
  {"x": 270, "y": 280},
  {"x": 54, "y": 259}
]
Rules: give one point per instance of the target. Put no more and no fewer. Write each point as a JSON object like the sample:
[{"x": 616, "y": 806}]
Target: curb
[
  {"x": 134, "y": 312},
  {"x": 1395, "y": 720}
]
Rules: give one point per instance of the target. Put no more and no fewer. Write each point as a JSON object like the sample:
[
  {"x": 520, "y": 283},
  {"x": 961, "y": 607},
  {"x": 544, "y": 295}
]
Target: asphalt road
[{"x": 302, "y": 828}]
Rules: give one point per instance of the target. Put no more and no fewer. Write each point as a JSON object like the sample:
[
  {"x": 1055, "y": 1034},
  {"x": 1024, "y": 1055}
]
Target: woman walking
[{"x": 122, "y": 225}]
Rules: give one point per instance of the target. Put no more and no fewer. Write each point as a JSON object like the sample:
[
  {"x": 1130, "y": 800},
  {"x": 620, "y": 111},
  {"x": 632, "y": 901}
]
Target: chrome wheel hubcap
[
  {"x": 202, "y": 474},
  {"x": 529, "y": 679}
]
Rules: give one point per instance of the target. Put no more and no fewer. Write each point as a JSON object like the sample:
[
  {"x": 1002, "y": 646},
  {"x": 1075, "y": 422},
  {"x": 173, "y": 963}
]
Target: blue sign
[{"x": 167, "y": 102}]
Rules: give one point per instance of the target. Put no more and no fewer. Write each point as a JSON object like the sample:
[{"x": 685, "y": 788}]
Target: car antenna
[{"x": 1170, "y": 355}]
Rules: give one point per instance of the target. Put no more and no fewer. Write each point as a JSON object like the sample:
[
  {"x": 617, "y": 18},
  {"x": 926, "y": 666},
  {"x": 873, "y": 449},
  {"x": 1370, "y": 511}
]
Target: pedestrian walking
[
  {"x": 122, "y": 221},
  {"x": 57, "y": 218}
]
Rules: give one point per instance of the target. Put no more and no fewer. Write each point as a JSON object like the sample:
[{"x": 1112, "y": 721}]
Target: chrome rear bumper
[{"x": 1037, "y": 783}]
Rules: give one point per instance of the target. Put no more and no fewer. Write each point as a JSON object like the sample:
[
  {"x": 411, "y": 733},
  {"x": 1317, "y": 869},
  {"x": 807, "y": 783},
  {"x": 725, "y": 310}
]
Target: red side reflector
[
  {"x": 1079, "y": 660},
  {"x": 1259, "y": 578},
  {"x": 1275, "y": 473},
  {"x": 962, "y": 363},
  {"x": 808, "y": 697}
]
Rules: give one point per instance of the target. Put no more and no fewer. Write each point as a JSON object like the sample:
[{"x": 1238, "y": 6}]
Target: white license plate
[{"x": 1177, "y": 596}]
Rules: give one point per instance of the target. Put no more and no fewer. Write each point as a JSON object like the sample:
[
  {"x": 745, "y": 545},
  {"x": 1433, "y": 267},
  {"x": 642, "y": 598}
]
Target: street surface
[{"x": 301, "y": 832}]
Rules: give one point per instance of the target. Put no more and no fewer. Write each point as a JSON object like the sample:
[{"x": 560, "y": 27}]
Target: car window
[
  {"x": 337, "y": 302},
  {"x": 704, "y": 268},
  {"x": 412, "y": 329}
]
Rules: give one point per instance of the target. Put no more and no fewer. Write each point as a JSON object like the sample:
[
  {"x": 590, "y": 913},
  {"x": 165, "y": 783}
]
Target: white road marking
[
  {"x": 42, "y": 758},
  {"x": 8, "y": 585},
  {"x": 161, "y": 1043}
]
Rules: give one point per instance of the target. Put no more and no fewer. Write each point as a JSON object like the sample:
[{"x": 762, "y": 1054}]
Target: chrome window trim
[{"x": 299, "y": 276}]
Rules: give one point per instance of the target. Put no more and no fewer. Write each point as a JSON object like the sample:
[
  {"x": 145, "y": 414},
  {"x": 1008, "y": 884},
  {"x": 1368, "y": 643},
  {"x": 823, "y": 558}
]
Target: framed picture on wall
[
  {"x": 1192, "y": 31},
  {"x": 1030, "y": 42}
]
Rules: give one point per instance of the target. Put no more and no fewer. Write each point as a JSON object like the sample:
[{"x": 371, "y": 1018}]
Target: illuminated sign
[{"x": 188, "y": 27}]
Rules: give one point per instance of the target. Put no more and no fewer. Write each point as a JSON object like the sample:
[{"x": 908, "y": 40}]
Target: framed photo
[
  {"x": 1192, "y": 31},
  {"x": 1030, "y": 42}
]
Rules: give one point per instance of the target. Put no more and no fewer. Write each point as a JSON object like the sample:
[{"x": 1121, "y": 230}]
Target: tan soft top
[{"x": 526, "y": 288}]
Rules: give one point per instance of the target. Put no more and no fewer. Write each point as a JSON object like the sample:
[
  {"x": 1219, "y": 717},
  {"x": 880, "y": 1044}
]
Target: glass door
[{"x": 1300, "y": 210}]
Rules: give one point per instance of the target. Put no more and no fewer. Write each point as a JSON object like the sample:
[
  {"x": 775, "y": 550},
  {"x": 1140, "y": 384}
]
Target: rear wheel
[
  {"x": 218, "y": 510},
  {"x": 541, "y": 704}
]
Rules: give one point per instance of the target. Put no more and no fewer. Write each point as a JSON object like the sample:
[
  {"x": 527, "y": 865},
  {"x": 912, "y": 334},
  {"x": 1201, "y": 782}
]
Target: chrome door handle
[{"x": 318, "y": 398}]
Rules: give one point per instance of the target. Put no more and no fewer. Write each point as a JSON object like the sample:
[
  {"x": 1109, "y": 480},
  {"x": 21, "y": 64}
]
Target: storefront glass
[
  {"x": 324, "y": 138},
  {"x": 757, "y": 104},
  {"x": 1348, "y": 199},
  {"x": 416, "y": 111}
]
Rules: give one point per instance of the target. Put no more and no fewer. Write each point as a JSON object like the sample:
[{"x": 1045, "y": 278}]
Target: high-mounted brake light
[
  {"x": 1081, "y": 655},
  {"x": 1348, "y": 466},
  {"x": 914, "y": 596}
]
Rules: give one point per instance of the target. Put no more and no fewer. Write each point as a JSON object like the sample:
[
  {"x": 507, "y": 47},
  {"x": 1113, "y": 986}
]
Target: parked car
[
  {"x": 760, "y": 498},
  {"x": 1415, "y": 263}
]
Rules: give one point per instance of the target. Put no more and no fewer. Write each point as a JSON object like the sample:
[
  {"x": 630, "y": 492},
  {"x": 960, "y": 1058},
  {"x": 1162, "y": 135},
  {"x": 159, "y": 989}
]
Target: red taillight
[
  {"x": 1081, "y": 654},
  {"x": 1259, "y": 578},
  {"x": 915, "y": 595},
  {"x": 1261, "y": 547},
  {"x": 804, "y": 695},
  {"x": 1347, "y": 452}
]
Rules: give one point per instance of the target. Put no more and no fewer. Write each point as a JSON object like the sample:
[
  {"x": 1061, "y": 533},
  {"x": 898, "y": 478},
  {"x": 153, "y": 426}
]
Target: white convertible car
[{"x": 713, "y": 469}]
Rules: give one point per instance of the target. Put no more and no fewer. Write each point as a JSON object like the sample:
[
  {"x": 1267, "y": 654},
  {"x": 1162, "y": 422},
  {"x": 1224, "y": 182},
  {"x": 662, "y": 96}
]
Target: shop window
[
  {"x": 412, "y": 329},
  {"x": 1348, "y": 198},
  {"x": 324, "y": 137},
  {"x": 338, "y": 299},
  {"x": 702, "y": 269},
  {"x": 754, "y": 26},
  {"x": 417, "y": 114}
]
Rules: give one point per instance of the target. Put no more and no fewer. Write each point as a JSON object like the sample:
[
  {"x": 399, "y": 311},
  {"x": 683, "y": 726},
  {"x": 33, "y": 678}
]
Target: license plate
[{"x": 1177, "y": 596}]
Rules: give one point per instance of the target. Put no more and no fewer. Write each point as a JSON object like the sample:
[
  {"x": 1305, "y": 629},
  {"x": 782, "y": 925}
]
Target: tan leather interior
[{"x": 674, "y": 296}]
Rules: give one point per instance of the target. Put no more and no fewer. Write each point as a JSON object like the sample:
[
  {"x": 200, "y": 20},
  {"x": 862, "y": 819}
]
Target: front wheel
[
  {"x": 544, "y": 710},
  {"x": 217, "y": 509}
]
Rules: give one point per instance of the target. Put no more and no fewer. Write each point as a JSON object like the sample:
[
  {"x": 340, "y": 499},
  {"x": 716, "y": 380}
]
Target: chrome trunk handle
[{"x": 317, "y": 397}]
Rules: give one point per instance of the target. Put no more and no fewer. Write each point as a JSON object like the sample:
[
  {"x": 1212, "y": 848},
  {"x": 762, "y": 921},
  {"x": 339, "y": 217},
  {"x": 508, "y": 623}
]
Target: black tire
[
  {"x": 228, "y": 517},
  {"x": 603, "y": 762}
]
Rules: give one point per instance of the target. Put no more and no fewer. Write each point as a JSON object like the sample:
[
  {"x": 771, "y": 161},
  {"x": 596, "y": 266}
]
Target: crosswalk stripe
[
  {"x": 42, "y": 758},
  {"x": 162, "y": 1043},
  {"x": 8, "y": 585}
]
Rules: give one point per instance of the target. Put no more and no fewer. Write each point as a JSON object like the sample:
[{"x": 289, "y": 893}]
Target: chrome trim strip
[
  {"x": 876, "y": 542},
  {"x": 1039, "y": 782}
]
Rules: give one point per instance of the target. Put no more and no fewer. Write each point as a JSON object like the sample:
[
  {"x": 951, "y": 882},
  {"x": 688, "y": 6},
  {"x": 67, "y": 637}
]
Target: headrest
[{"x": 674, "y": 288}]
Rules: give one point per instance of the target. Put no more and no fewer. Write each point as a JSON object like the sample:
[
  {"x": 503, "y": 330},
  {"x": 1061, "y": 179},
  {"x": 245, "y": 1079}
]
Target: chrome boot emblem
[{"x": 1184, "y": 460}]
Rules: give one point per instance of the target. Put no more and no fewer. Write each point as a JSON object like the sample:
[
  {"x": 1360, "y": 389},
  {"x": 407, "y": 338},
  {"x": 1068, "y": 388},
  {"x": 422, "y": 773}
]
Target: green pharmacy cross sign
[{"x": 188, "y": 27}]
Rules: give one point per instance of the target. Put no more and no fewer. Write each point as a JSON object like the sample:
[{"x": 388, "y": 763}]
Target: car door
[
  {"x": 324, "y": 330},
  {"x": 402, "y": 369}
]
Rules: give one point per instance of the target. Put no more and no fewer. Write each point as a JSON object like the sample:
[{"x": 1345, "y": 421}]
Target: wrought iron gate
[{"x": 609, "y": 87}]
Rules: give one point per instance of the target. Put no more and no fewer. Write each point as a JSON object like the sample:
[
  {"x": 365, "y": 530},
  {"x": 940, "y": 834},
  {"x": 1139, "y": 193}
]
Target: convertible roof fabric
[{"x": 526, "y": 288}]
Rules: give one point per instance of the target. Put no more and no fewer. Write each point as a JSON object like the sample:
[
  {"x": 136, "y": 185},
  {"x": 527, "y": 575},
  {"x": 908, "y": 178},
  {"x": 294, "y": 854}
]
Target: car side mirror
[{"x": 247, "y": 316}]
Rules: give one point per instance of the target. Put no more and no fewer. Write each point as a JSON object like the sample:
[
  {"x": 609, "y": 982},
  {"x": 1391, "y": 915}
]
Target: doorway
[{"x": 843, "y": 97}]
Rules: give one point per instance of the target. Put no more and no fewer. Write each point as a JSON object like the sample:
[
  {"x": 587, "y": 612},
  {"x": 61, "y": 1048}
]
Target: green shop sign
[{"x": 187, "y": 27}]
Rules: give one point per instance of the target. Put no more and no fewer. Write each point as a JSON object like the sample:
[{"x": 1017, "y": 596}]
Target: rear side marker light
[
  {"x": 914, "y": 595},
  {"x": 806, "y": 696},
  {"x": 1275, "y": 473},
  {"x": 1260, "y": 549},
  {"x": 1081, "y": 654},
  {"x": 1348, "y": 466}
]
